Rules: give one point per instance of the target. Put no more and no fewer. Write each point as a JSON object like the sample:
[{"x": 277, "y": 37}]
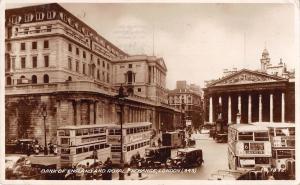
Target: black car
[
  {"x": 155, "y": 156},
  {"x": 188, "y": 157}
]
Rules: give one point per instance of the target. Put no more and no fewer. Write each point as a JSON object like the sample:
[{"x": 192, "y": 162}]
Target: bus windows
[
  {"x": 65, "y": 141},
  {"x": 139, "y": 145},
  {"x": 127, "y": 131},
  {"x": 61, "y": 133},
  {"x": 292, "y": 131},
  {"x": 78, "y": 132},
  {"x": 97, "y": 147},
  {"x": 91, "y": 131},
  {"x": 132, "y": 147},
  {"x": 246, "y": 136},
  {"x": 78, "y": 150},
  {"x": 271, "y": 132},
  {"x": 96, "y": 131},
  {"x": 261, "y": 136},
  {"x": 65, "y": 151},
  {"x": 85, "y": 132},
  {"x": 85, "y": 149},
  {"x": 128, "y": 148},
  {"x": 67, "y": 132},
  {"x": 262, "y": 160},
  {"x": 91, "y": 148},
  {"x": 118, "y": 132}
]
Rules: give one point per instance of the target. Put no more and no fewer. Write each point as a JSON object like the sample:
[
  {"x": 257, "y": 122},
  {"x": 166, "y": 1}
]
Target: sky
[{"x": 197, "y": 41}]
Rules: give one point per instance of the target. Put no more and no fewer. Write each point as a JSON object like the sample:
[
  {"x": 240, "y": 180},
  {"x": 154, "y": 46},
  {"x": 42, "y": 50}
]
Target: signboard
[
  {"x": 254, "y": 148},
  {"x": 137, "y": 137},
  {"x": 113, "y": 139}
]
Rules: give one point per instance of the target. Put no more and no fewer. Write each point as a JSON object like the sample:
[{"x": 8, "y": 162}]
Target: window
[
  {"x": 34, "y": 62},
  {"x": 46, "y": 61},
  {"x": 23, "y": 46},
  {"x": 103, "y": 63},
  {"x": 139, "y": 90},
  {"x": 92, "y": 57},
  {"x": 46, "y": 44},
  {"x": 77, "y": 51},
  {"x": 27, "y": 17},
  {"x": 70, "y": 63},
  {"x": 8, "y": 80},
  {"x": 39, "y": 16},
  {"x": 50, "y": 14},
  {"x": 83, "y": 54},
  {"x": 78, "y": 132},
  {"x": 23, "y": 62},
  {"x": 83, "y": 68},
  {"x": 26, "y": 30},
  {"x": 246, "y": 136},
  {"x": 46, "y": 78},
  {"x": 98, "y": 74},
  {"x": 78, "y": 150},
  {"x": 37, "y": 29},
  {"x": 33, "y": 79},
  {"x": 98, "y": 61},
  {"x": 107, "y": 79},
  {"x": 8, "y": 46},
  {"x": 70, "y": 47},
  {"x": 77, "y": 66},
  {"x": 34, "y": 45},
  {"x": 261, "y": 136},
  {"x": 49, "y": 27},
  {"x": 129, "y": 65},
  {"x": 107, "y": 66}
]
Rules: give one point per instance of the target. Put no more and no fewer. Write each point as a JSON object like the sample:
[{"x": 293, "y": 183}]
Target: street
[{"x": 214, "y": 155}]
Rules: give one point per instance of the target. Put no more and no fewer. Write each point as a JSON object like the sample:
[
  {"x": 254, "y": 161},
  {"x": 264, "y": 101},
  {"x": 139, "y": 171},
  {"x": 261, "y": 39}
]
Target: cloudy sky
[{"x": 197, "y": 41}]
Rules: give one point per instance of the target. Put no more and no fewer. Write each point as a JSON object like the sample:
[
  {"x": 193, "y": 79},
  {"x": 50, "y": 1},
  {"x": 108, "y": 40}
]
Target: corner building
[{"x": 52, "y": 58}]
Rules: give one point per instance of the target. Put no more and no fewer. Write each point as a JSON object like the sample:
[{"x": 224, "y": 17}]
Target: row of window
[
  {"x": 34, "y": 45},
  {"x": 91, "y": 131},
  {"x": 91, "y": 148},
  {"x": 30, "y": 17},
  {"x": 70, "y": 48},
  {"x": 136, "y": 146},
  {"x": 129, "y": 130},
  {"x": 24, "y": 64},
  {"x": 91, "y": 70},
  {"x": 34, "y": 80}
]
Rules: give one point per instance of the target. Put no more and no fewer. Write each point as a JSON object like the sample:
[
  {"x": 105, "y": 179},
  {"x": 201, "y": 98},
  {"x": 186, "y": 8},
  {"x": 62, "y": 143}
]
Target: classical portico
[{"x": 257, "y": 96}]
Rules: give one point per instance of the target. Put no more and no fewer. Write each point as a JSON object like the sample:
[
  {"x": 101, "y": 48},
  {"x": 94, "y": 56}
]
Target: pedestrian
[
  {"x": 159, "y": 142},
  {"x": 107, "y": 166}
]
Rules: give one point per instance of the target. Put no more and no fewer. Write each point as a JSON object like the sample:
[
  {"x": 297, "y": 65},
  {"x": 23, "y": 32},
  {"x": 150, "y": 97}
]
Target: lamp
[{"x": 44, "y": 114}]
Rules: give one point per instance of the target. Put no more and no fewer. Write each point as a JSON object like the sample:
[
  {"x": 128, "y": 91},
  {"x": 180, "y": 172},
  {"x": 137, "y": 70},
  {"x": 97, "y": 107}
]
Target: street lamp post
[
  {"x": 120, "y": 97},
  {"x": 44, "y": 113},
  {"x": 182, "y": 113}
]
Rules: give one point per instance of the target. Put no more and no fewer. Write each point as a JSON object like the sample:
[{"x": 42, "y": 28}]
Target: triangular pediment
[{"x": 246, "y": 76}]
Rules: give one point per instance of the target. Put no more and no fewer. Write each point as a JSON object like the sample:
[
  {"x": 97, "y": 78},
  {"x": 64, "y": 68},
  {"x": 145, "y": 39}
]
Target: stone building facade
[
  {"x": 52, "y": 58},
  {"x": 258, "y": 96},
  {"x": 187, "y": 98}
]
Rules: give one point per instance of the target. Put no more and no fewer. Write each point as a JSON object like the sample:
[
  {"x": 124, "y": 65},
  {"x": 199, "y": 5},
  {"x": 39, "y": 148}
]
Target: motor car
[
  {"x": 155, "y": 156},
  {"x": 188, "y": 157}
]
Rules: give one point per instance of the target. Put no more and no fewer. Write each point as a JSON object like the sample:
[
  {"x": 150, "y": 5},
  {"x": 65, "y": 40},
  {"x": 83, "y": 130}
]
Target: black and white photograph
[{"x": 149, "y": 91}]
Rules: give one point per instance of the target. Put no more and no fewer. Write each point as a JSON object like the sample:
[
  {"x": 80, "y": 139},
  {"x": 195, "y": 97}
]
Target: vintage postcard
[{"x": 100, "y": 91}]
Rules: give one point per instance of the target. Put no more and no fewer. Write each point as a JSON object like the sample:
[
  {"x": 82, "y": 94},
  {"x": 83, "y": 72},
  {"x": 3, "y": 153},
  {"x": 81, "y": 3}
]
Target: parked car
[{"x": 188, "y": 157}]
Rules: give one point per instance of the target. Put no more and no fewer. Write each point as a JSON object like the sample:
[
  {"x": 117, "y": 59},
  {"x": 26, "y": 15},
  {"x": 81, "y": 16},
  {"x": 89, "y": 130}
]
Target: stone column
[
  {"x": 240, "y": 105},
  {"x": 92, "y": 113},
  {"x": 96, "y": 112},
  {"x": 229, "y": 109},
  {"x": 282, "y": 107},
  {"x": 249, "y": 109},
  {"x": 78, "y": 116},
  {"x": 260, "y": 108},
  {"x": 210, "y": 109},
  {"x": 271, "y": 107}
]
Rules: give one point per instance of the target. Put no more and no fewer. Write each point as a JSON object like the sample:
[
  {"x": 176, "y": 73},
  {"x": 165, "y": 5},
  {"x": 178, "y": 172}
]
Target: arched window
[
  {"x": 33, "y": 79},
  {"x": 69, "y": 78},
  {"x": 22, "y": 76},
  {"x": 130, "y": 91},
  {"x": 8, "y": 80},
  {"x": 46, "y": 78}
]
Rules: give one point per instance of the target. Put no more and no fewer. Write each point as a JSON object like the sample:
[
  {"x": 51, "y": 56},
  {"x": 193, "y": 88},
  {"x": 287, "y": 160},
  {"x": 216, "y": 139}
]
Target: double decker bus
[
  {"x": 76, "y": 143},
  {"x": 282, "y": 136},
  {"x": 136, "y": 138},
  {"x": 248, "y": 146}
]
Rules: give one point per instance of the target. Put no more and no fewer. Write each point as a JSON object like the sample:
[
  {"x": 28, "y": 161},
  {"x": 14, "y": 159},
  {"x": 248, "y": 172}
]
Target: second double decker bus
[
  {"x": 248, "y": 146},
  {"x": 136, "y": 138}
]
